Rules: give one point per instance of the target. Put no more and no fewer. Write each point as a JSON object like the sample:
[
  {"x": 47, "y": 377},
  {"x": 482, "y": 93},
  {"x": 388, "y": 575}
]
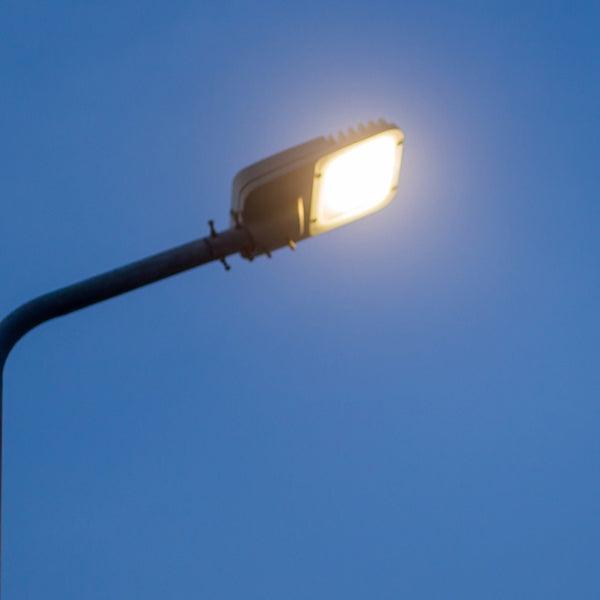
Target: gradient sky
[{"x": 407, "y": 407}]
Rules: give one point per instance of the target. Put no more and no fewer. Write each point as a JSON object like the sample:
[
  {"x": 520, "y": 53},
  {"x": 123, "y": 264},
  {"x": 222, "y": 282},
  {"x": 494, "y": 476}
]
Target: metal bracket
[{"x": 213, "y": 235}]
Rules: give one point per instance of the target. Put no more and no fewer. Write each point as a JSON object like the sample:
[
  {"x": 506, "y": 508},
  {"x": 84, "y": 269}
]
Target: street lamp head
[{"x": 317, "y": 186}]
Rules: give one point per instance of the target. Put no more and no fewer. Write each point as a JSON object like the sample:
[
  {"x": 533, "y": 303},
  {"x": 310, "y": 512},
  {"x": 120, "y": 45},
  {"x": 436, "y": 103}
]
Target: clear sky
[{"x": 407, "y": 407}]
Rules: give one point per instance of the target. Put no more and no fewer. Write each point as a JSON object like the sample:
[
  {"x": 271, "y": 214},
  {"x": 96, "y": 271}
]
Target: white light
[{"x": 356, "y": 180}]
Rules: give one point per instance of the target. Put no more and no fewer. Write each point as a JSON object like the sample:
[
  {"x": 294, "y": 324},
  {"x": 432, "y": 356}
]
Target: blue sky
[{"x": 403, "y": 408}]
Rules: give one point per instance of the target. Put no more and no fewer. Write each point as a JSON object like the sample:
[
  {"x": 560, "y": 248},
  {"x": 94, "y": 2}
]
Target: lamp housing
[{"x": 317, "y": 186}]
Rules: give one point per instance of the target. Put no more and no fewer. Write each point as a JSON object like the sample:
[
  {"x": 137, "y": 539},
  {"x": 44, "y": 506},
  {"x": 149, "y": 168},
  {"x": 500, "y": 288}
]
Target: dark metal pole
[{"x": 108, "y": 285}]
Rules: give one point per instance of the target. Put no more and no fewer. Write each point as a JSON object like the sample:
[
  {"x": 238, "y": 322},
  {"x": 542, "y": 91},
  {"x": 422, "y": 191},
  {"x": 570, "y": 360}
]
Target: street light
[
  {"x": 299, "y": 193},
  {"x": 317, "y": 186}
]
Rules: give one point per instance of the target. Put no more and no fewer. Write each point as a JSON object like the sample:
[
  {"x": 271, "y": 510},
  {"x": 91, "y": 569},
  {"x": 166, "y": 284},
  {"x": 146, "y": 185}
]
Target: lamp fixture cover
[{"x": 317, "y": 186}]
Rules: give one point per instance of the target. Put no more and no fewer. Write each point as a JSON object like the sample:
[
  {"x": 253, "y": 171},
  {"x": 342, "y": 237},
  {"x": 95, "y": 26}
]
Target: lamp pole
[
  {"x": 108, "y": 285},
  {"x": 277, "y": 202}
]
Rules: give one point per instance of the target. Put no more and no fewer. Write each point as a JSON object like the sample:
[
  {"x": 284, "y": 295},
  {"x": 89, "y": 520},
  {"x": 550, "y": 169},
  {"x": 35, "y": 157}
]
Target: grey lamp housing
[{"x": 274, "y": 199}]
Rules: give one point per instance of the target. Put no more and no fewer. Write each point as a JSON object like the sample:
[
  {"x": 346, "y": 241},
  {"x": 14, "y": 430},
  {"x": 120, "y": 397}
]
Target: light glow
[{"x": 356, "y": 180}]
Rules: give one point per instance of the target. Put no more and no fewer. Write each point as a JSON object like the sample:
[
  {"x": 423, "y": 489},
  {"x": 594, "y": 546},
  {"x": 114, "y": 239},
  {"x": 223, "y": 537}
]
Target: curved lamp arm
[{"x": 108, "y": 285}]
